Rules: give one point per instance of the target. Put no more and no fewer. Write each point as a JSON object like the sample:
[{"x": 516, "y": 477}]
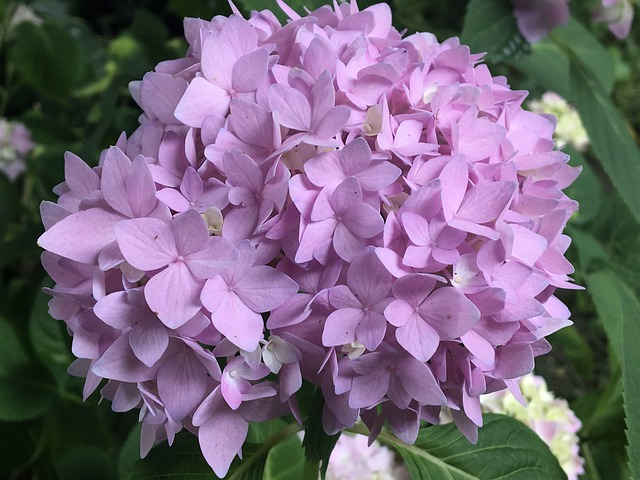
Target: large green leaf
[
  {"x": 26, "y": 390},
  {"x": 506, "y": 449},
  {"x": 604, "y": 289},
  {"x": 631, "y": 374},
  {"x": 285, "y": 461},
  {"x": 48, "y": 338},
  {"x": 489, "y": 26},
  {"x": 48, "y": 58},
  {"x": 612, "y": 143},
  {"x": 619, "y": 311},
  {"x": 548, "y": 65}
]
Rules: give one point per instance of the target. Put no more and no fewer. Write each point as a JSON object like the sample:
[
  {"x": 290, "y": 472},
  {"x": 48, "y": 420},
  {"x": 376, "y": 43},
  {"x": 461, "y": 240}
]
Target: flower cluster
[
  {"x": 353, "y": 459},
  {"x": 617, "y": 14},
  {"x": 569, "y": 128},
  {"x": 15, "y": 145},
  {"x": 535, "y": 18},
  {"x": 550, "y": 417},
  {"x": 322, "y": 200}
]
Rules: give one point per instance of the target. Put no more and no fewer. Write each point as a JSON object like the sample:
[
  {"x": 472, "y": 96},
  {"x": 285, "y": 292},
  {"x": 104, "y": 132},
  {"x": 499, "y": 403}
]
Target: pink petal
[
  {"x": 346, "y": 244},
  {"x": 149, "y": 340},
  {"x": 369, "y": 389},
  {"x": 368, "y": 278},
  {"x": 340, "y": 327},
  {"x": 363, "y": 220},
  {"x": 221, "y": 439},
  {"x": 79, "y": 177},
  {"x": 419, "y": 382},
  {"x": 201, "y": 99},
  {"x": 217, "y": 255},
  {"x": 174, "y": 295},
  {"x": 454, "y": 179},
  {"x": 68, "y": 238},
  {"x": 292, "y": 106},
  {"x": 264, "y": 288},
  {"x": 414, "y": 288},
  {"x": 250, "y": 71},
  {"x": 513, "y": 361},
  {"x": 182, "y": 383},
  {"x": 449, "y": 312},
  {"x": 418, "y": 338},
  {"x": 241, "y": 325},
  {"x": 146, "y": 243},
  {"x": 173, "y": 199},
  {"x": 485, "y": 202},
  {"x": 417, "y": 229},
  {"x": 370, "y": 332},
  {"x": 119, "y": 363},
  {"x": 399, "y": 312},
  {"x": 161, "y": 93}
]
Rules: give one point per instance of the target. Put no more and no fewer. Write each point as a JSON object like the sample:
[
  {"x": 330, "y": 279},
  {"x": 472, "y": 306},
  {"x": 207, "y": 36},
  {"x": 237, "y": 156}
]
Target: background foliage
[{"x": 66, "y": 78}]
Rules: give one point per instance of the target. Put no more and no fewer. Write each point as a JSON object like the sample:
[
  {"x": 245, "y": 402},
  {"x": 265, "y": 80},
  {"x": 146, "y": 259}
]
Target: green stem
[
  {"x": 311, "y": 470},
  {"x": 267, "y": 445}
]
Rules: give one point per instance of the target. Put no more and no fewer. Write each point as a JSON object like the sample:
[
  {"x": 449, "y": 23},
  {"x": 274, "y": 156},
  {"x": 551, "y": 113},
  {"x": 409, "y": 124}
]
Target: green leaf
[
  {"x": 489, "y": 26},
  {"x": 48, "y": 58},
  {"x": 12, "y": 353},
  {"x": 611, "y": 141},
  {"x": 604, "y": 289},
  {"x": 285, "y": 461},
  {"x": 589, "y": 50},
  {"x": 9, "y": 195},
  {"x": 549, "y": 65},
  {"x": 631, "y": 375},
  {"x": 48, "y": 338},
  {"x": 130, "y": 451},
  {"x": 317, "y": 444},
  {"x": 506, "y": 449},
  {"x": 589, "y": 248},
  {"x": 26, "y": 391},
  {"x": 586, "y": 190},
  {"x": 86, "y": 462},
  {"x": 260, "y": 431},
  {"x": 619, "y": 310}
]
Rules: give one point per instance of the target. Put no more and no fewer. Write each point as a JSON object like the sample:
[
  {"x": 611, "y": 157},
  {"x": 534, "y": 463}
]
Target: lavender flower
[
  {"x": 617, "y": 14},
  {"x": 569, "y": 128},
  {"x": 550, "y": 417},
  {"x": 323, "y": 200},
  {"x": 353, "y": 459},
  {"x": 15, "y": 145},
  {"x": 536, "y": 18}
]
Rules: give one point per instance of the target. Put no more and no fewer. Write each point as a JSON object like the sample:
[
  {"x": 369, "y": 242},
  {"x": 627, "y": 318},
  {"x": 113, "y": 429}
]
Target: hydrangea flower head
[
  {"x": 550, "y": 417},
  {"x": 15, "y": 145},
  {"x": 569, "y": 128},
  {"x": 536, "y": 18},
  {"x": 353, "y": 459},
  {"x": 321, "y": 200},
  {"x": 617, "y": 14}
]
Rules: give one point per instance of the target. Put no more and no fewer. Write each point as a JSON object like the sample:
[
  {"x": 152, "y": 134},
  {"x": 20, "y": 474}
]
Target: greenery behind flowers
[{"x": 65, "y": 76}]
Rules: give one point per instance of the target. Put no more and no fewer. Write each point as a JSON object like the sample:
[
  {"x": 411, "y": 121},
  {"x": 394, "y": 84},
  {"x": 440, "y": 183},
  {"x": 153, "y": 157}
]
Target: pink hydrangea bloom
[
  {"x": 353, "y": 459},
  {"x": 536, "y": 18},
  {"x": 324, "y": 200},
  {"x": 15, "y": 144},
  {"x": 617, "y": 14}
]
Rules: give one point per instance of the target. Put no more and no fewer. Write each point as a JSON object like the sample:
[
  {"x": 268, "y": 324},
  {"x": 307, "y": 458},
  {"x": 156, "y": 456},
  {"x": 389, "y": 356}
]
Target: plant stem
[{"x": 311, "y": 470}]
